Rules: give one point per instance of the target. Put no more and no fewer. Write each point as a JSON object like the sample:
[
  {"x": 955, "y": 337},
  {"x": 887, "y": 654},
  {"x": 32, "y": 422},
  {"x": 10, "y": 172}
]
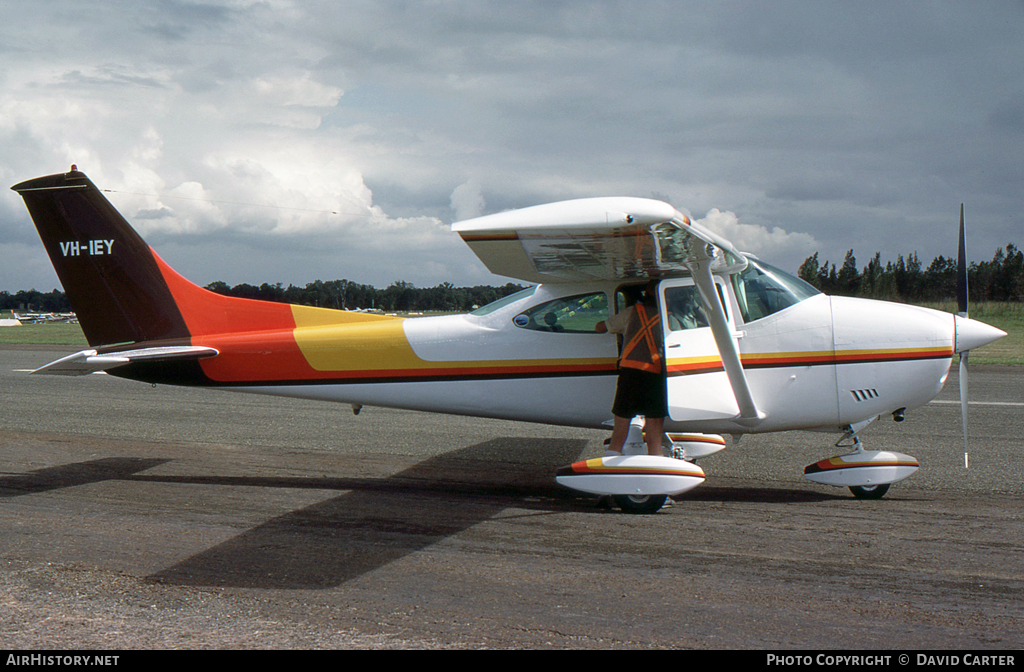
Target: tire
[
  {"x": 640, "y": 504},
  {"x": 869, "y": 491}
]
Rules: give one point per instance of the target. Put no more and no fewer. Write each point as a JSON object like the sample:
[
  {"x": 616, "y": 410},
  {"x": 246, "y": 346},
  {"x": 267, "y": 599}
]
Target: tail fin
[
  {"x": 108, "y": 272},
  {"x": 120, "y": 289}
]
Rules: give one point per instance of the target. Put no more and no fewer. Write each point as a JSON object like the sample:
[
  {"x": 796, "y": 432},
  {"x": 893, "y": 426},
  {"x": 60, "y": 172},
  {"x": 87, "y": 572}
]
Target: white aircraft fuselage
[{"x": 823, "y": 363}]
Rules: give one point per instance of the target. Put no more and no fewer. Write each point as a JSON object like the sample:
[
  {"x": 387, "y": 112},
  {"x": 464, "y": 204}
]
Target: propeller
[
  {"x": 968, "y": 333},
  {"x": 961, "y": 310}
]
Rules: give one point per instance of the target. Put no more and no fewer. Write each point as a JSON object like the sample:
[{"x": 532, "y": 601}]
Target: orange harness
[{"x": 641, "y": 347}]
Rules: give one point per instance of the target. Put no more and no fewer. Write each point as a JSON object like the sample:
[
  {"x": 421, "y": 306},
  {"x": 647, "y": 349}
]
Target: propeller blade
[
  {"x": 961, "y": 309},
  {"x": 963, "y": 401},
  {"x": 961, "y": 270}
]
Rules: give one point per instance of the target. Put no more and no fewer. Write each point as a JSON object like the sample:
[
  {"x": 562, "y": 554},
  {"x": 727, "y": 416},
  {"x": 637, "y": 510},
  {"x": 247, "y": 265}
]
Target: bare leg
[
  {"x": 653, "y": 428},
  {"x": 619, "y": 431}
]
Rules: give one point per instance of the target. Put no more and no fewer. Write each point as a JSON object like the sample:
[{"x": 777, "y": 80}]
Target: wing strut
[{"x": 699, "y": 262}]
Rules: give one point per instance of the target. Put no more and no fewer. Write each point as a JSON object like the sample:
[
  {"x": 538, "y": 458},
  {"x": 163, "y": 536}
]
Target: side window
[
  {"x": 683, "y": 308},
  {"x": 569, "y": 315}
]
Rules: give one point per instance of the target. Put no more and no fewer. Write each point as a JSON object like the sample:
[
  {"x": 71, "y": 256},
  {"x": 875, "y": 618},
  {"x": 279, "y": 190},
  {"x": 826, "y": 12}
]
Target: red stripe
[{"x": 767, "y": 361}]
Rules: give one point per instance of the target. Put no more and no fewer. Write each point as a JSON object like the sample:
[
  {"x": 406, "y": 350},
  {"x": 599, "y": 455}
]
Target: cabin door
[{"x": 698, "y": 388}]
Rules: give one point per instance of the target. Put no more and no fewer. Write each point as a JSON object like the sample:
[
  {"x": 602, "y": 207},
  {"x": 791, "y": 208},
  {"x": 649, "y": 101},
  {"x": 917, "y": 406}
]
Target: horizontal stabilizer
[{"x": 91, "y": 361}]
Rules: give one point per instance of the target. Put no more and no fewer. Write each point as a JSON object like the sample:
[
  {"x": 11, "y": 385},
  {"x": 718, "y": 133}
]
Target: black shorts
[{"x": 640, "y": 393}]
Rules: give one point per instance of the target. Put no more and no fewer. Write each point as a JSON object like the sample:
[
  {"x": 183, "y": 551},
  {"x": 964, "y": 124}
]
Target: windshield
[
  {"x": 762, "y": 290},
  {"x": 504, "y": 301}
]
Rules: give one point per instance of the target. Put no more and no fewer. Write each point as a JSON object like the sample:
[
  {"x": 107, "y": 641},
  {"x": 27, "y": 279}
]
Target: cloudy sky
[{"x": 283, "y": 141}]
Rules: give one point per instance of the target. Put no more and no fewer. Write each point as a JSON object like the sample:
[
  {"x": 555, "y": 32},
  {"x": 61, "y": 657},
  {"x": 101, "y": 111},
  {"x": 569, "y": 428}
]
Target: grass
[
  {"x": 44, "y": 333},
  {"x": 1006, "y": 316}
]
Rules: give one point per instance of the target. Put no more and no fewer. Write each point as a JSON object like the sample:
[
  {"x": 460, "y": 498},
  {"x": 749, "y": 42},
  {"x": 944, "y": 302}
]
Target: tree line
[
  {"x": 33, "y": 301},
  {"x": 338, "y": 294},
  {"x": 347, "y": 295},
  {"x": 907, "y": 280}
]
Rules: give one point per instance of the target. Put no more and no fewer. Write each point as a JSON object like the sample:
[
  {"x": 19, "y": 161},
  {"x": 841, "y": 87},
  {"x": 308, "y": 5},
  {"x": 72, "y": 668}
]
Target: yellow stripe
[
  {"x": 359, "y": 346},
  {"x": 689, "y": 361},
  {"x": 380, "y": 344},
  {"x": 307, "y": 316}
]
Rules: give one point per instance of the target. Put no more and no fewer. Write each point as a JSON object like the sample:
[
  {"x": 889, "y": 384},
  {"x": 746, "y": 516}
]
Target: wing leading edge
[{"x": 592, "y": 239}]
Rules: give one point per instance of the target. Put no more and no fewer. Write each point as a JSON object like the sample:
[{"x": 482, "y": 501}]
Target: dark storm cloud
[{"x": 853, "y": 125}]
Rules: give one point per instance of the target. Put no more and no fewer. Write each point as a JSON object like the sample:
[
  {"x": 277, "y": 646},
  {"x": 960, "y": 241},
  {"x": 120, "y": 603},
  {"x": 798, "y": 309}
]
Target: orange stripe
[
  {"x": 714, "y": 363},
  {"x": 696, "y": 439},
  {"x": 623, "y": 232},
  {"x": 837, "y": 463},
  {"x": 587, "y": 468},
  {"x": 473, "y": 237}
]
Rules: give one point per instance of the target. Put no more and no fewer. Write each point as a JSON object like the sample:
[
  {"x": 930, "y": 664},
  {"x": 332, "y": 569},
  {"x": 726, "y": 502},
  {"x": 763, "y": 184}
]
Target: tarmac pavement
[{"x": 134, "y": 516}]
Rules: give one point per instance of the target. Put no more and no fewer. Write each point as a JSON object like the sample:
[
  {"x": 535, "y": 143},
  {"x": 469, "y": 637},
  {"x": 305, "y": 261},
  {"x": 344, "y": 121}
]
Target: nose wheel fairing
[
  {"x": 867, "y": 473},
  {"x": 862, "y": 468}
]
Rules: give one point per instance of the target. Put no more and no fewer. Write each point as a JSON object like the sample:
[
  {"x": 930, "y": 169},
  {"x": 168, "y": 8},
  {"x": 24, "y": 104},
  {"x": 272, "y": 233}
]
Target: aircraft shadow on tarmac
[
  {"x": 70, "y": 475},
  {"x": 376, "y": 521},
  {"x": 382, "y": 520}
]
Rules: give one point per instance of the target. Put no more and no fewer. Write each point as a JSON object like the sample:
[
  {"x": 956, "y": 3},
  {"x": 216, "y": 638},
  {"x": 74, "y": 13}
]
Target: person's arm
[{"x": 616, "y": 324}]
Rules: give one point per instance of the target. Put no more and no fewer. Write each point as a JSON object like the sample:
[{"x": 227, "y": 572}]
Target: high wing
[{"x": 617, "y": 238}]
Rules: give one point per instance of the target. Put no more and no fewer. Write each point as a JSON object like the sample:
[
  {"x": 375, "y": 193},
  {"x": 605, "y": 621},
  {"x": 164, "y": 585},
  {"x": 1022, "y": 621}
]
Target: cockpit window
[
  {"x": 762, "y": 290},
  {"x": 569, "y": 315},
  {"x": 504, "y": 301}
]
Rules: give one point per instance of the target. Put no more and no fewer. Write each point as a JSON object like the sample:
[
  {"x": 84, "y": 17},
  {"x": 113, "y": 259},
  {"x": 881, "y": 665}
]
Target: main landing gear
[
  {"x": 869, "y": 491},
  {"x": 640, "y": 504},
  {"x": 637, "y": 483}
]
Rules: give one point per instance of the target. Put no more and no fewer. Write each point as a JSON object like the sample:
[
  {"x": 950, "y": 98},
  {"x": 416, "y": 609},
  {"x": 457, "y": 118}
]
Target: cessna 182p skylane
[{"x": 748, "y": 347}]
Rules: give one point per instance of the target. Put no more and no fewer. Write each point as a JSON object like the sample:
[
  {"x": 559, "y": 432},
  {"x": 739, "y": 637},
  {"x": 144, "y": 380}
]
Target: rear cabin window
[{"x": 568, "y": 315}]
